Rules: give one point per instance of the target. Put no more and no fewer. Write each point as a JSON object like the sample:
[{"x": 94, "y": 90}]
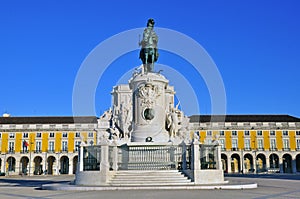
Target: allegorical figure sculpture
[{"x": 148, "y": 52}]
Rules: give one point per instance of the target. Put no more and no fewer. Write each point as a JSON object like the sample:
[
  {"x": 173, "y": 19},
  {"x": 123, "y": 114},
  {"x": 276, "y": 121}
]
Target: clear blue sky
[{"x": 255, "y": 45}]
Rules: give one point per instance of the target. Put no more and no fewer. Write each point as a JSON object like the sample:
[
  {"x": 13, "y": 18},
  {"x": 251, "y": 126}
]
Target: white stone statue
[
  {"x": 172, "y": 121},
  {"x": 107, "y": 115}
]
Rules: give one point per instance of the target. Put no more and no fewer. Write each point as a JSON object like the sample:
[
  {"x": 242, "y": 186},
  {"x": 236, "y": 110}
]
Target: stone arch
[
  {"x": 64, "y": 165},
  {"x": 248, "y": 163},
  {"x": 38, "y": 167},
  {"x": 224, "y": 162},
  {"x": 11, "y": 164},
  {"x": 75, "y": 162},
  {"x": 298, "y": 163},
  {"x": 24, "y": 165},
  {"x": 274, "y": 163},
  {"x": 50, "y": 162},
  {"x": 287, "y": 163},
  {"x": 261, "y": 163},
  {"x": 235, "y": 163}
]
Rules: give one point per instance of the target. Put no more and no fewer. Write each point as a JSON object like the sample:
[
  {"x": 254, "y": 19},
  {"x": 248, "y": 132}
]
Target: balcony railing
[
  {"x": 64, "y": 150},
  {"x": 260, "y": 149},
  {"x": 234, "y": 149},
  {"x": 24, "y": 151},
  {"x": 286, "y": 149},
  {"x": 247, "y": 149},
  {"x": 11, "y": 151},
  {"x": 273, "y": 149}
]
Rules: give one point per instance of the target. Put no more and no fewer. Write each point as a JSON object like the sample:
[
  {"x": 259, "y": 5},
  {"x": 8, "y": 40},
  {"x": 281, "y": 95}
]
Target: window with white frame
[
  {"x": 65, "y": 146},
  {"x": 51, "y": 146},
  {"x": 298, "y": 144},
  {"x": 221, "y": 133},
  {"x": 65, "y": 134},
  {"x": 234, "y": 144},
  {"x": 272, "y": 132},
  {"x": 0, "y": 135},
  {"x": 208, "y": 133},
  {"x": 77, "y": 134},
  {"x": 38, "y": 146},
  {"x": 11, "y": 135},
  {"x": 297, "y": 132},
  {"x": 286, "y": 143},
  {"x": 259, "y": 133},
  {"x": 234, "y": 133},
  {"x": 38, "y": 134},
  {"x": 246, "y": 133},
  {"x": 247, "y": 144},
  {"x": 222, "y": 143},
  {"x": 25, "y": 135},
  {"x": 51, "y": 134},
  {"x": 77, "y": 145},
  {"x": 260, "y": 143},
  {"x": 285, "y": 133},
  {"x": 273, "y": 143},
  {"x": 11, "y": 147},
  {"x": 90, "y": 134}
]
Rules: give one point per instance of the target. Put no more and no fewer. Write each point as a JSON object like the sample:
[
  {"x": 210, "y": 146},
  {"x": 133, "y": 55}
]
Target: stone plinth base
[
  {"x": 202, "y": 177},
  {"x": 92, "y": 178}
]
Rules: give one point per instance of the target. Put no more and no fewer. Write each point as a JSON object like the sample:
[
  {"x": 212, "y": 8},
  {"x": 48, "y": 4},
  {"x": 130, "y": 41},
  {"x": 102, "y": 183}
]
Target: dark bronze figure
[{"x": 148, "y": 52}]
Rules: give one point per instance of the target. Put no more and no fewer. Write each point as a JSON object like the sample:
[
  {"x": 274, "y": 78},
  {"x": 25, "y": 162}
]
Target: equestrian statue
[{"x": 148, "y": 52}]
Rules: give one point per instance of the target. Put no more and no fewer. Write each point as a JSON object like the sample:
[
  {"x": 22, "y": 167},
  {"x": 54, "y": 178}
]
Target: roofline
[
  {"x": 244, "y": 118},
  {"x": 48, "y": 120}
]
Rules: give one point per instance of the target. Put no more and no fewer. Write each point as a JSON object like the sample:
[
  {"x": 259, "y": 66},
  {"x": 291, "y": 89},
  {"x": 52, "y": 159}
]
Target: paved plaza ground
[{"x": 270, "y": 186}]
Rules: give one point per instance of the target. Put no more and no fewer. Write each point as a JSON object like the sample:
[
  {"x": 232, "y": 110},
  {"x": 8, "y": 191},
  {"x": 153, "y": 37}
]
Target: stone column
[
  {"x": 17, "y": 165},
  {"x": 104, "y": 164},
  {"x": 242, "y": 162},
  {"x": 280, "y": 164},
  {"x": 267, "y": 163},
  {"x": 149, "y": 107},
  {"x": 70, "y": 166},
  {"x": 196, "y": 165},
  {"x": 45, "y": 163},
  {"x": 81, "y": 157},
  {"x": 115, "y": 157},
  {"x": 3, "y": 164},
  {"x": 294, "y": 168},
  {"x": 255, "y": 163},
  {"x": 184, "y": 156},
  {"x": 229, "y": 164},
  {"x": 218, "y": 159}
]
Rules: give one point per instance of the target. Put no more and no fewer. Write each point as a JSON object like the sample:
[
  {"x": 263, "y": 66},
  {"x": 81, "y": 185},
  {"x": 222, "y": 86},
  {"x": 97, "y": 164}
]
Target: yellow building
[
  {"x": 43, "y": 145},
  {"x": 253, "y": 143},
  {"x": 250, "y": 143}
]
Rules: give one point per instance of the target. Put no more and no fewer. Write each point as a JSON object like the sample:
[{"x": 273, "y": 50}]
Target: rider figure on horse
[{"x": 148, "y": 52}]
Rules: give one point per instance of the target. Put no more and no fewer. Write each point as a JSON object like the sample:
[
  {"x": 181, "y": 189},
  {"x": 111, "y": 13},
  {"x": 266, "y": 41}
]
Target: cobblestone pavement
[{"x": 270, "y": 186}]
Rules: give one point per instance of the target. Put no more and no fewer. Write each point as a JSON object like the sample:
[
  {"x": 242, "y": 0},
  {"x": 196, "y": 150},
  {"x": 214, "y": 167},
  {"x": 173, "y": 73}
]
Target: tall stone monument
[
  {"x": 144, "y": 110},
  {"x": 145, "y": 130}
]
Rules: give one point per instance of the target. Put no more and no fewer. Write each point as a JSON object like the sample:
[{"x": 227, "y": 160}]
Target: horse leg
[
  {"x": 146, "y": 63},
  {"x": 152, "y": 64}
]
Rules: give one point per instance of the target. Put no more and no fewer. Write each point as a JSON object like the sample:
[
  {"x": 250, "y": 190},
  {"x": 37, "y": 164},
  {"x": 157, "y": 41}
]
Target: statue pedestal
[{"x": 149, "y": 107}]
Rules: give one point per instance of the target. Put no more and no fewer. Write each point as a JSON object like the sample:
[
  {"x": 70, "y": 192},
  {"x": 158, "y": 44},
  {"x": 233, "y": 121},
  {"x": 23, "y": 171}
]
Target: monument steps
[{"x": 149, "y": 178}]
